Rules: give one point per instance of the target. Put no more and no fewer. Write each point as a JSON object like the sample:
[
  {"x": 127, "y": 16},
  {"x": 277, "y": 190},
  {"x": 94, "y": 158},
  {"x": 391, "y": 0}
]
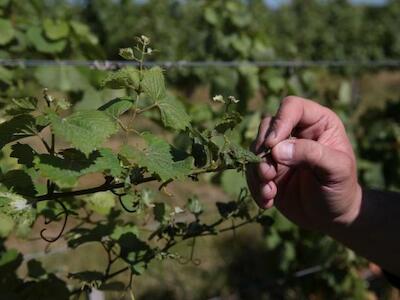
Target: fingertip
[
  {"x": 266, "y": 171},
  {"x": 271, "y": 139},
  {"x": 267, "y": 204},
  {"x": 268, "y": 191},
  {"x": 262, "y": 132}
]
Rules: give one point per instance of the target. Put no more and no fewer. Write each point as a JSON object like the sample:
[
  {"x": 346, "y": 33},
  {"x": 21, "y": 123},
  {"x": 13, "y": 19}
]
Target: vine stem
[
  {"x": 108, "y": 187},
  {"x": 139, "y": 111},
  {"x": 102, "y": 188}
]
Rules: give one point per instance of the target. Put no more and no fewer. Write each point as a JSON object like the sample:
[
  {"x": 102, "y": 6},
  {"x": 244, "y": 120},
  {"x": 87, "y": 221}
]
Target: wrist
[{"x": 341, "y": 224}]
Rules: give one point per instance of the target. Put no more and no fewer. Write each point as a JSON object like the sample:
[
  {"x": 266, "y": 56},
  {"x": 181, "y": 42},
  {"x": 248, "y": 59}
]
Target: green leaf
[
  {"x": 138, "y": 269},
  {"x": 4, "y": 3},
  {"x": 241, "y": 155},
  {"x": 18, "y": 208},
  {"x": 233, "y": 182},
  {"x": 229, "y": 121},
  {"x": 106, "y": 162},
  {"x": 194, "y": 206},
  {"x": 23, "y": 153},
  {"x": 6, "y": 225},
  {"x": 158, "y": 159},
  {"x": 127, "y": 53},
  {"x": 102, "y": 202},
  {"x": 6, "y": 75},
  {"x": 62, "y": 78},
  {"x": 83, "y": 31},
  {"x": 79, "y": 236},
  {"x": 65, "y": 170},
  {"x": 117, "y": 106},
  {"x": 11, "y": 256},
  {"x": 18, "y": 181},
  {"x": 160, "y": 211},
  {"x": 55, "y": 29},
  {"x": 65, "y": 173},
  {"x": 34, "y": 35},
  {"x": 35, "y": 269},
  {"x": 153, "y": 84},
  {"x": 211, "y": 16},
  {"x": 15, "y": 129},
  {"x": 120, "y": 230},
  {"x": 123, "y": 78},
  {"x": 6, "y": 32},
  {"x": 133, "y": 249},
  {"x": 227, "y": 209},
  {"x": 63, "y": 104},
  {"x": 86, "y": 130},
  {"x": 173, "y": 113},
  {"x": 22, "y": 106}
]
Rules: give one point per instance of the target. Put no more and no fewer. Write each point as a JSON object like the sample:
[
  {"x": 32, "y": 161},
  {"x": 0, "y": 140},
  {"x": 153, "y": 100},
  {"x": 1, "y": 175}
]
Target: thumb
[{"x": 325, "y": 162}]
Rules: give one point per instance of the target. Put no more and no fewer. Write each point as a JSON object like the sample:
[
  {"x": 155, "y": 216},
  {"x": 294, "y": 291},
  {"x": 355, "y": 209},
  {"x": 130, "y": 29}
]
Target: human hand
[{"x": 310, "y": 174}]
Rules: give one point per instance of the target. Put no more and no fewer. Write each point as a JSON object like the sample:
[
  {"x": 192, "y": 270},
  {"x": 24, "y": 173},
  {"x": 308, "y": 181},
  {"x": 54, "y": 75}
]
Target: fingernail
[
  {"x": 267, "y": 188},
  {"x": 271, "y": 135},
  {"x": 285, "y": 150}
]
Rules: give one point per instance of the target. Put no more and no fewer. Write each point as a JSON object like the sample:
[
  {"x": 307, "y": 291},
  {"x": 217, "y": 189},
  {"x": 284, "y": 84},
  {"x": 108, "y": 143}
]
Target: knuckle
[
  {"x": 332, "y": 117},
  {"x": 289, "y": 100},
  {"x": 313, "y": 153}
]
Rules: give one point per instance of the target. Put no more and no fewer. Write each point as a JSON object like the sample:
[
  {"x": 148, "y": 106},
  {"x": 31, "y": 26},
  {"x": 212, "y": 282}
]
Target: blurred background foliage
[{"x": 281, "y": 261}]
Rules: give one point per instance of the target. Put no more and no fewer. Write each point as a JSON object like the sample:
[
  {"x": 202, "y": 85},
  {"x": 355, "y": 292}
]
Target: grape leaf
[
  {"x": 15, "y": 129},
  {"x": 173, "y": 113},
  {"x": 233, "y": 182},
  {"x": 160, "y": 211},
  {"x": 83, "y": 31},
  {"x": 22, "y": 106},
  {"x": 86, "y": 130},
  {"x": 34, "y": 35},
  {"x": 102, "y": 202},
  {"x": 132, "y": 248},
  {"x": 79, "y": 236},
  {"x": 24, "y": 154},
  {"x": 20, "y": 211},
  {"x": 120, "y": 230},
  {"x": 18, "y": 181},
  {"x": 66, "y": 170},
  {"x": 6, "y": 32},
  {"x": 153, "y": 84},
  {"x": 63, "y": 78},
  {"x": 158, "y": 159},
  {"x": 241, "y": 155},
  {"x": 229, "y": 121},
  {"x": 117, "y": 106},
  {"x": 194, "y": 206},
  {"x": 61, "y": 171},
  {"x": 55, "y": 29},
  {"x": 6, "y": 225},
  {"x": 107, "y": 161},
  {"x": 35, "y": 269},
  {"x": 123, "y": 78},
  {"x": 6, "y": 75},
  {"x": 127, "y": 53}
]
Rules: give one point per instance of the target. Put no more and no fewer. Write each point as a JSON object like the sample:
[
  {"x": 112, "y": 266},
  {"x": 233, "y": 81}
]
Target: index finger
[{"x": 294, "y": 112}]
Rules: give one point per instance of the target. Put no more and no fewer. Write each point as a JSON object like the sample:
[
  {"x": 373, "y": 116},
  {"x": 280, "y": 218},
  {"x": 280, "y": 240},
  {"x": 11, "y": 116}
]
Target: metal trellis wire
[{"x": 110, "y": 64}]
